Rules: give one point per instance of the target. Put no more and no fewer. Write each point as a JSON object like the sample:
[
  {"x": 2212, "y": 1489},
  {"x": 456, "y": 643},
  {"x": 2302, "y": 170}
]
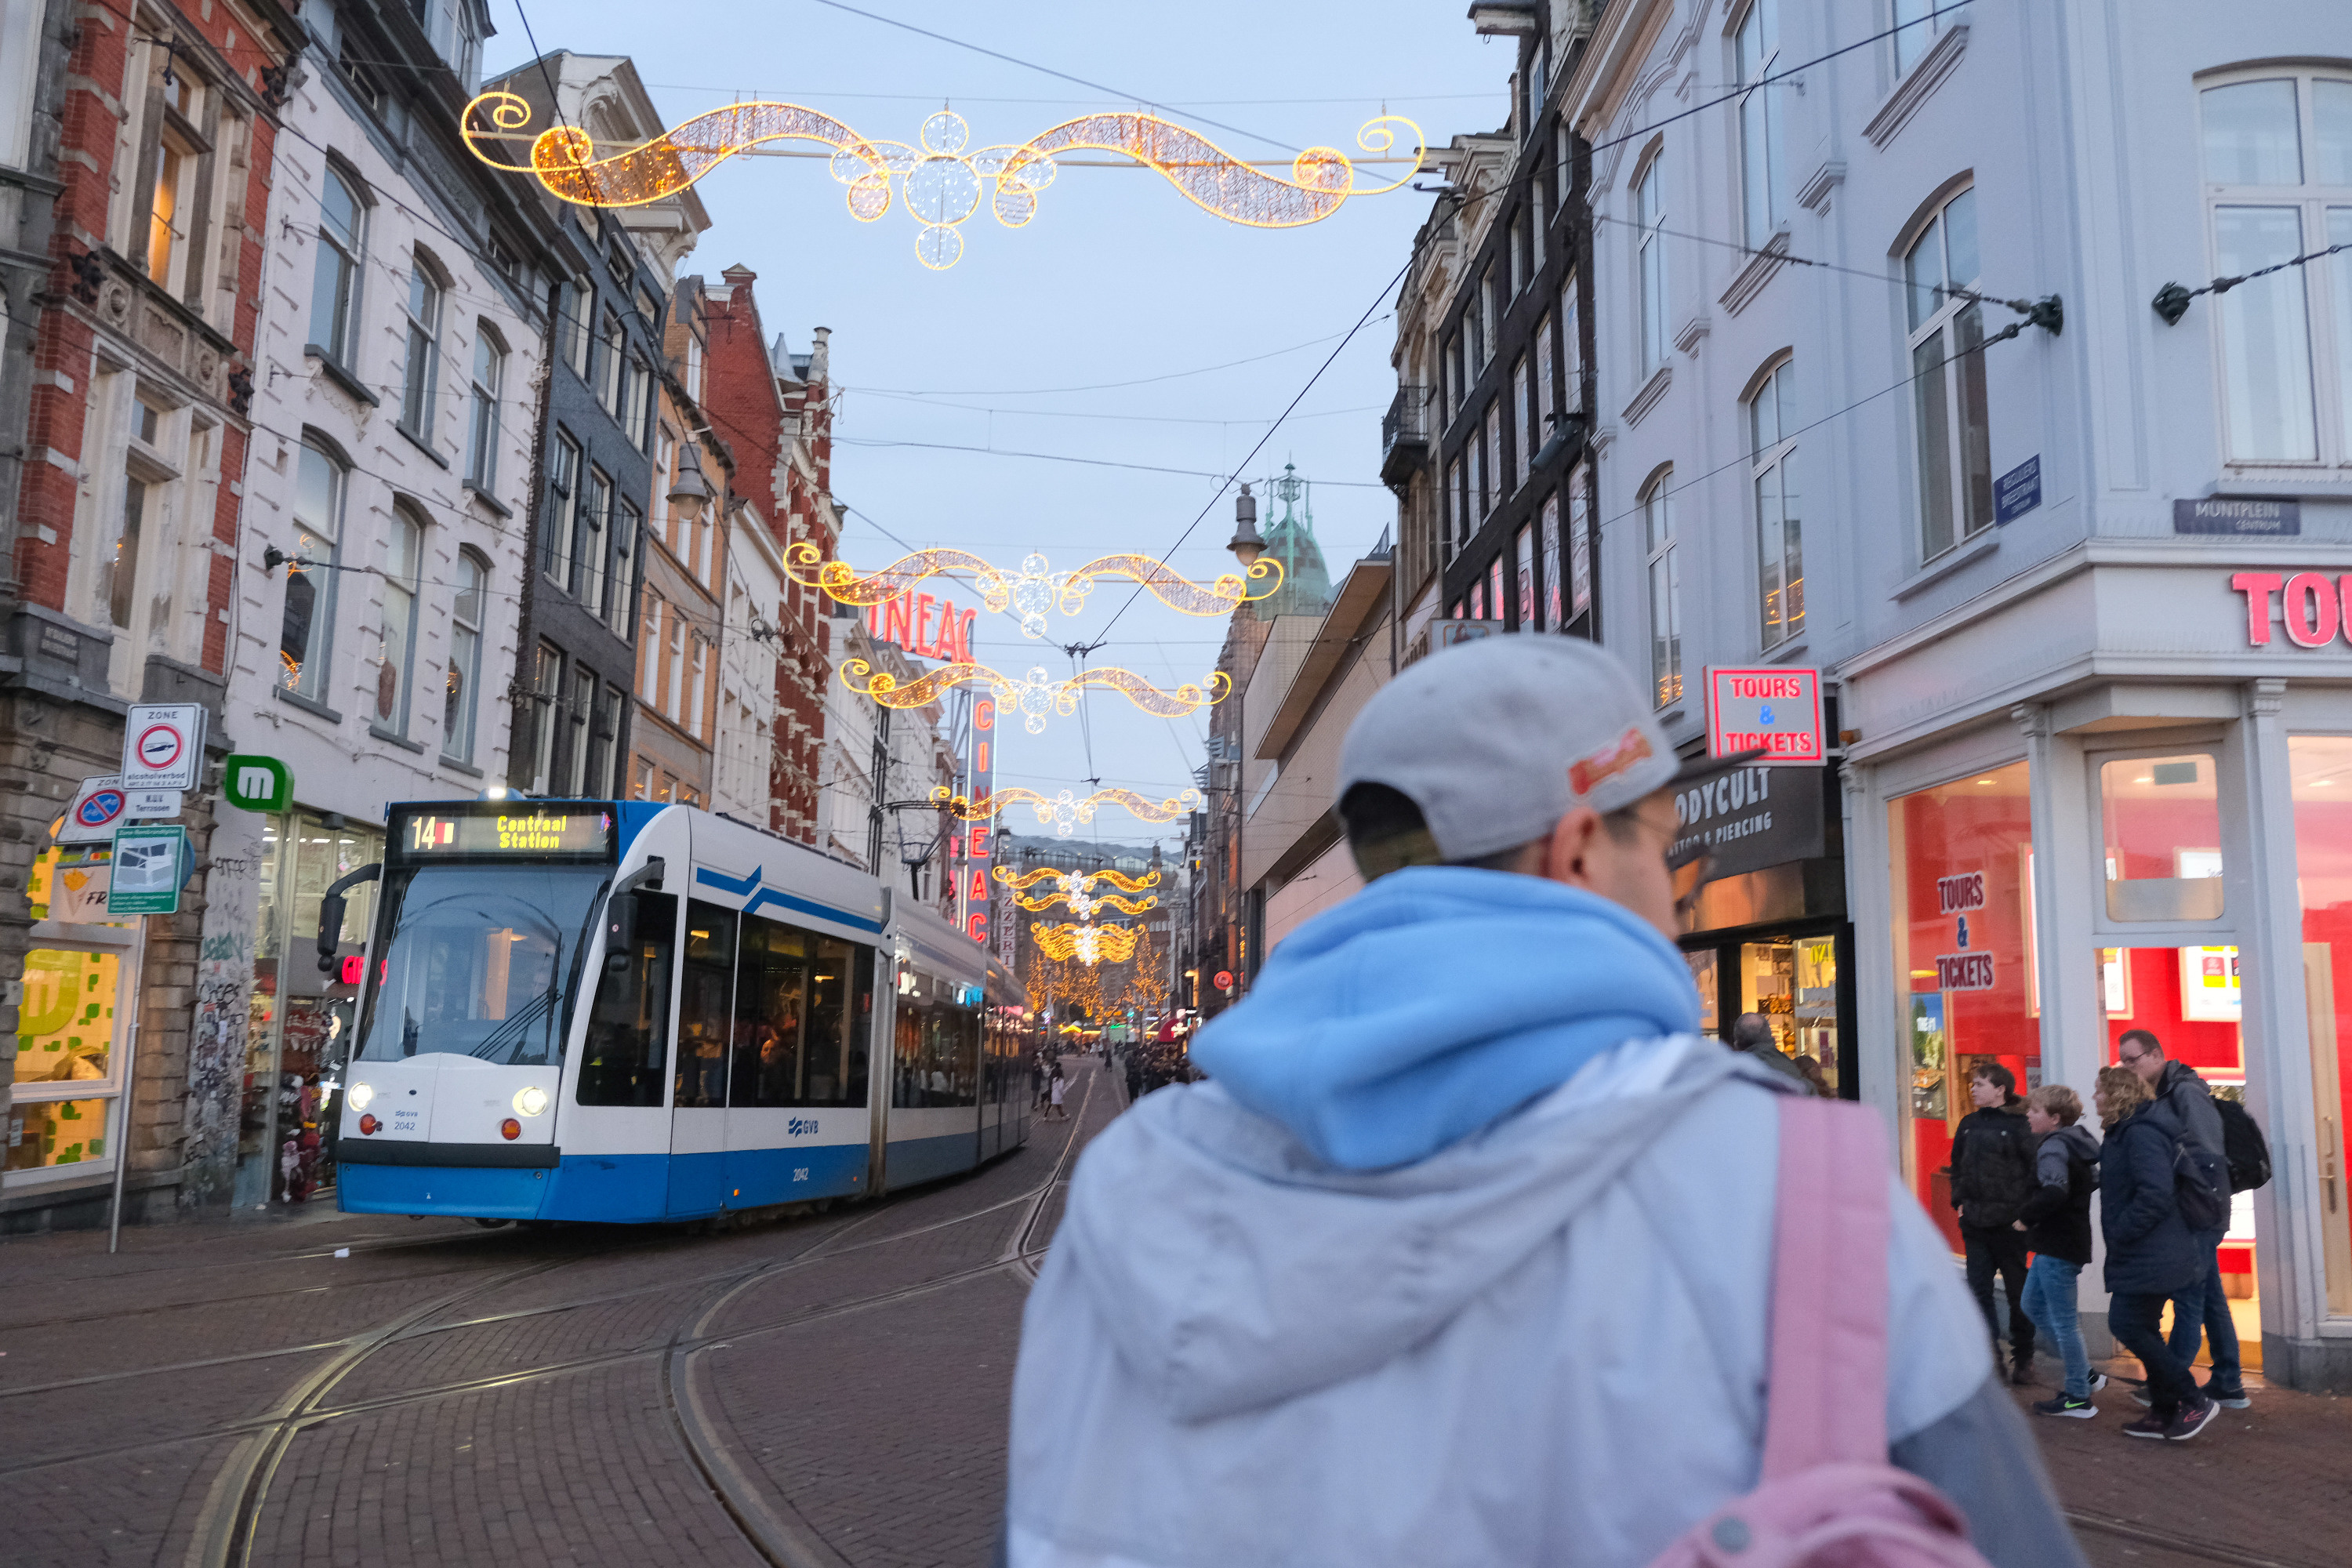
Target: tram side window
[
  {"x": 627, "y": 1056},
  {"x": 938, "y": 1047},
  {"x": 705, "y": 998},
  {"x": 802, "y": 1017}
]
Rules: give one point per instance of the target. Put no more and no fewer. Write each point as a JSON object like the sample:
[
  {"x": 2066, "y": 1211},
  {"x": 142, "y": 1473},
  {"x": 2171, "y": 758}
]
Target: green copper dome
[{"x": 1306, "y": 582}]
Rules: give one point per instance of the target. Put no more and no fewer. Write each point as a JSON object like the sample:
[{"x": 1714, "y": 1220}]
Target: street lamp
[
  {"x": 1246, "y": 544},
  {"x": 692, "y": 492}
]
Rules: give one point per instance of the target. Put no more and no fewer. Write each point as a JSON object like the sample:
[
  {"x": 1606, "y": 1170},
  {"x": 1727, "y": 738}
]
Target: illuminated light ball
[
  {"x": 939, "y": 248},
  {"x": 945, "y": 132},
  {"x": 942, "y": 190}
]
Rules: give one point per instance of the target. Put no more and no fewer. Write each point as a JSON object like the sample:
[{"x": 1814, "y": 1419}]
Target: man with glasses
[
  {"x": 1463, "y": 1253},
  {"x": 2204, "y": 1307}
]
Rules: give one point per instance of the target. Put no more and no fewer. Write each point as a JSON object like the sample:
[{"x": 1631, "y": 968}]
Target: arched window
[
  {"x": 482, "y": 432},
  {"x": 306, "y": 635},
  {"x": 1666, "y": 588},
  {"x": 335, "y": 283},
  {"x": 461, "y": 700},
  {"x": 1947, "y": 388},
  {"x": 421, "y": 378},
  {"x": 2278, "y": 180},
  {"x": 395, "y": 678},
  {"x": 1650, "y": 261},
  {"x": 1779, "y": 535}
]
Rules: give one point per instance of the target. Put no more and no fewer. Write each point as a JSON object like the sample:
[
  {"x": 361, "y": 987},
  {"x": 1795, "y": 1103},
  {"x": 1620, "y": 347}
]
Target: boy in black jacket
[
  {"x": 2056, "y": 1226},
  {"x": 1993, "y": 1175}
]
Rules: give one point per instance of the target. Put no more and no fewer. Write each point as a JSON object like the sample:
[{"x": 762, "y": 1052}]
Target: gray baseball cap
[{"x": 1497, "y": 740}]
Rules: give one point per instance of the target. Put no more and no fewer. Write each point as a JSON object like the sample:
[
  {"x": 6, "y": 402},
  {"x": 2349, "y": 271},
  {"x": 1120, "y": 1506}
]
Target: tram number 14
[{"x": 800, "y": 1172}]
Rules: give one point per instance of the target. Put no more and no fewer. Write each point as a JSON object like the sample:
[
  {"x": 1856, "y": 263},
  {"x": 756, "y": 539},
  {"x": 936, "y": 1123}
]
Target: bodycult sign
[
  {"x": 1775, "y": 710},
  {"x": 2314, "y": 608},
  {"x": 1750, "y": 818}
]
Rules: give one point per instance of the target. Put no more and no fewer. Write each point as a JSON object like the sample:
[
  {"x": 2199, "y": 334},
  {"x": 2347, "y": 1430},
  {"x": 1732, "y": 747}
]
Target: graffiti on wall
[{"x": 216, "y": 1035}]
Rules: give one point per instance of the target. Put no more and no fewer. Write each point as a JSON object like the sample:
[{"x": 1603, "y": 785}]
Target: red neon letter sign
[{"x": 2258, "y": 588}]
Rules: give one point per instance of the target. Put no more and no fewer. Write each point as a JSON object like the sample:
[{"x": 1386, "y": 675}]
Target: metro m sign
[{"x": 1776, "y": 711}]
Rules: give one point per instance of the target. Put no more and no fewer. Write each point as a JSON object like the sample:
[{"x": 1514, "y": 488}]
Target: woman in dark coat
[{"x": 2151, "y": 1253}]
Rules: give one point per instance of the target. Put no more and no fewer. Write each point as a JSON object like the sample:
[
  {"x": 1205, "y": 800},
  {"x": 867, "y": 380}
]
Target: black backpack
[
  {"x": 2200, "y": 1184},
  {"x": 2244, "y": 1146}
]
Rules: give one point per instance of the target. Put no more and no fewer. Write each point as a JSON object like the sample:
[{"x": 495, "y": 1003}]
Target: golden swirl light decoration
[
  {"x": 939, "y": 182},
  {"x": 1037, "y": 589},
  {"x": 1020, "y": 881},
  {"x": 1063, "y": 813},
  {"x": 1086, "y": 943},
  {"x": 1036, "y": 694},
  {"x": 1084, "y": 904}
]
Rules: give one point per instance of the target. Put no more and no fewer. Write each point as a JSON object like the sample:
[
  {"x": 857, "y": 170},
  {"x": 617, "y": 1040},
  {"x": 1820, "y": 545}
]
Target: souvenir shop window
[
  {"x": 2320, "y": 768},
  {"x": 2161, "y": 818},
  {"x": 1962, "y": 886}
]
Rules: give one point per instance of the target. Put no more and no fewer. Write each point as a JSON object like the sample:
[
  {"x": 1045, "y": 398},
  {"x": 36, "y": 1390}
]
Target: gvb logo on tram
[{"x": 627, "y": 1011}]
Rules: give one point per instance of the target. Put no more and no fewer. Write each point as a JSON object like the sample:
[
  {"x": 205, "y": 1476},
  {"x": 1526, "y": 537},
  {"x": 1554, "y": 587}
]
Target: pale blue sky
[{"x": 1118, "y": 277}]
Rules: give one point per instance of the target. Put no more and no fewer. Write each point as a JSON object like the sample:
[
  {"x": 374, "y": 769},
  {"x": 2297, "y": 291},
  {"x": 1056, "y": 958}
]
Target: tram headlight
[
  {"x": 362, "y": 1096},
  {"x": 531, "y": 1099}
]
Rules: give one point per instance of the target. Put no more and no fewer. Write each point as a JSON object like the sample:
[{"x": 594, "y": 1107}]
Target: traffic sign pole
[{"x": 130, "y": 1089}]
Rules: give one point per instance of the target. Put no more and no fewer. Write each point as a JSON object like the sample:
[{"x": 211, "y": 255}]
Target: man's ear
[{"x": 1571, "y": 842}]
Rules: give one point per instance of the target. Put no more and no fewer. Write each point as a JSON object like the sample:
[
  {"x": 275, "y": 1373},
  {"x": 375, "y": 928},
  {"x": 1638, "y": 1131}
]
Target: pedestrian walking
[
  {"x": 1416, "y": 1275},
  {"x": 2055, "y": 1224},
  {"x": 1037, "y": 1082},
  {"x": 1056, "y": 1086},
  {"x": 2203, "y": 1308},
  {"x": 1993, "y": 1175},
  {"x": 1751, "y": 1033},
  {"x": 2152, "y": 1254}
]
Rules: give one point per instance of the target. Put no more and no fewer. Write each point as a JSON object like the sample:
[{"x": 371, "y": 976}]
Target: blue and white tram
[{"x": 630, "y": 1011}]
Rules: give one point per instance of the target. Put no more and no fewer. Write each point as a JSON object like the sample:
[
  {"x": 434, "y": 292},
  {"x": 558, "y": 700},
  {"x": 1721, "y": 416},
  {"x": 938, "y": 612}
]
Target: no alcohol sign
[{"x": 164, "y": 746}]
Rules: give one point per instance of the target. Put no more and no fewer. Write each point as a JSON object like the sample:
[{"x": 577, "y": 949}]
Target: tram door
[{"x": 698, "y": 1128}]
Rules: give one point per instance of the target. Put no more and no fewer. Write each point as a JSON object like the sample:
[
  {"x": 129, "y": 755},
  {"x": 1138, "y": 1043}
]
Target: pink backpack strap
[{"x": 1826, "y": 1398}]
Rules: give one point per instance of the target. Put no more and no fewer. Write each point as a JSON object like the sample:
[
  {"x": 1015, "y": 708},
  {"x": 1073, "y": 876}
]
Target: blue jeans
[
  {"x": 2134, "y": 1317},
  {"x": 2204, "y": 1307},
  {"x": 2050, "y": 1302}
]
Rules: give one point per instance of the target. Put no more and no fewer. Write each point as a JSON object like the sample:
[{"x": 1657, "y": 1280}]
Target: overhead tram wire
[
  {"x": 1032, "y": 65},
  {"x": 1093, "y": 386},
  {"x": 1095, "y": 462},
  {"x": 1387, "y": 290}
]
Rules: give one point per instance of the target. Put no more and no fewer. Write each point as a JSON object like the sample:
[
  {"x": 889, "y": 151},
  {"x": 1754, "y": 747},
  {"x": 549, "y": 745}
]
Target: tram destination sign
[{"x": 523, "y": 834}]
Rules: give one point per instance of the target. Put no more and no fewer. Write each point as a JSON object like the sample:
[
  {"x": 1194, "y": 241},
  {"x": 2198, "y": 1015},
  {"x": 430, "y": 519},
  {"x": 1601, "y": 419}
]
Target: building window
[
  {"x": 1449, "y": 506},
  {"x": 1571, "y": 350},
  {"x": 580, "y": 303},
  {"x": 1551, "y": 616},
  {"x": 334, "y": 285},
  {"x": 649, "y": 650},
  {"x": 637, "y": 403},
  {"x": 1517, "y": 244},
  {"x": 422, "y": 374},
  {"x": 177, "y": 152},
  {"x": 1449, "y": 371},
  {"x": 1495, "y": 608},
  {"x": 1919, "y": 25},
  {"x": 627, "y": 525},
  {"x": 403, "y": 552},
  {"x": 306, "y": 632},
  {"x": 1947, "y": 387},
  {"x": 642, "y": 786},
  {"x": 583, "y": 708},
  {"x": 546, "y": 698},
  {"x": 613, "y": 361},
  {"x": 1524, "y": 558},
  {"x": 1649, "y": 262},
  {"x": 2286, "y": 339},
  {"x": 482, "y": 430},
  {"x": 1525, "y": 438},
  {"x": 698, "y": 677},
  {"x": 1546, "y": 405},
  {"x": 562, "y": 501},
  {"x": 674, "y": 679},
  {"x": 1780, "y": 536},
  {"x": 602, "y": 735},
  {"x": 1579, "y": 543},
  {"x": 461, "y": 698},
  {"x": 1665, "y": 590},
  {"x": 588, "y": 546},
  {"x": 1474, "y": 496},
  {"x": 1482, "y": 324},
  {"x": 1493, "y": 442},
  {"x": 1763, "y": 179}
]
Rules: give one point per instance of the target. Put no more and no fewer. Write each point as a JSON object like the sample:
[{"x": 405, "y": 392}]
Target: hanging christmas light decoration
[
  {"x": 1071, "y": 889},
  {"x": 1021, "y": 881},
  {"x": 1036, "y": 695},
  {"x": 938, "y": 180},
  {"x": 1086, "y": 943},
  {"x": 1037, "y": 590},
  {"x": 1065, "y": 812}
]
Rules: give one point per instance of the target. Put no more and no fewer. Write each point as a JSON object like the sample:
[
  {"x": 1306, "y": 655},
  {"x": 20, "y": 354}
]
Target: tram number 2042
[{"x": 800, "y": 1172}]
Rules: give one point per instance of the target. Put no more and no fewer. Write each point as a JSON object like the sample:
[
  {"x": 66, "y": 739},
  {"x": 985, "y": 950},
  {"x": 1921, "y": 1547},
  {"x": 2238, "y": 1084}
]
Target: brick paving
[{"x": 855, "y": 1377}]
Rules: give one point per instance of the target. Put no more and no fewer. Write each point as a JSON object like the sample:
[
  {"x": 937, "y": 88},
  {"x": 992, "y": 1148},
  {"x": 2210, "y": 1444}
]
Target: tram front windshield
[{"x": 481, "y": 961}]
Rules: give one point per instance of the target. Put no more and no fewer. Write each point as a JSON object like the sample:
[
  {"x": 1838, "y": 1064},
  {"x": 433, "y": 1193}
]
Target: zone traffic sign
[
  {"x": 97, "y": 806},
  {"x": 164, "y": 746}
]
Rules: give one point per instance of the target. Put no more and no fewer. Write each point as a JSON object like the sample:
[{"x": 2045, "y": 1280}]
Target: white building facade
[
  {"x": 2078, "y": 578},
  {"x": 747, "y": 670},
  {"x": 401, "y": 358}
]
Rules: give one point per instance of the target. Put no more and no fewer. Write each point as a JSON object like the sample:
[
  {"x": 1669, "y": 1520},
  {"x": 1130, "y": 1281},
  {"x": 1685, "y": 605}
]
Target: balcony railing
[{"x": 1404, "y": 436}]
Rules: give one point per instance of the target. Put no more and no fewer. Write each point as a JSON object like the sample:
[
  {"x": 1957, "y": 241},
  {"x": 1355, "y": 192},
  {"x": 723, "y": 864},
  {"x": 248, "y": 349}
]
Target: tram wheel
[{"x": 492, "y": 1224}]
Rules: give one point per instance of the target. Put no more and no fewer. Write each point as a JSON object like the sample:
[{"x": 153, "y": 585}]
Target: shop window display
[
  {"x": 1710, "y": 1000},
  {"x": 1962, "y": 902},
  {"x": 2163, "y": 836},
  {"x": 1793, "y": 982},
  {"x": 2321, "y": 768}
]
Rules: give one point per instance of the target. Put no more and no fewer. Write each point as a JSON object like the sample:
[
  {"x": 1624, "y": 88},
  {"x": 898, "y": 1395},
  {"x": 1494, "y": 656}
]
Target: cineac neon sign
[{"x": 924, "y": 624}]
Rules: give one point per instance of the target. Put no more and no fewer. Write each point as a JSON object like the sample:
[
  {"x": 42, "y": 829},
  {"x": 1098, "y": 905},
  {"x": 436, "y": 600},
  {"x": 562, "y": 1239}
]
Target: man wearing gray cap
[{"x": 1463, "y": 1254}]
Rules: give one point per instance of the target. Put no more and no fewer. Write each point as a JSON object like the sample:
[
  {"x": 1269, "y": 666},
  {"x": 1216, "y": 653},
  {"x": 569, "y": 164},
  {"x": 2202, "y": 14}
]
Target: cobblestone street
[{"x": 823, "y": 1390}]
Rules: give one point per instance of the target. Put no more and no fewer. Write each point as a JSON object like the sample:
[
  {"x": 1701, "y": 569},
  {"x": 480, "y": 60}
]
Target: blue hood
[{"x": 1436, "y": 1001}]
